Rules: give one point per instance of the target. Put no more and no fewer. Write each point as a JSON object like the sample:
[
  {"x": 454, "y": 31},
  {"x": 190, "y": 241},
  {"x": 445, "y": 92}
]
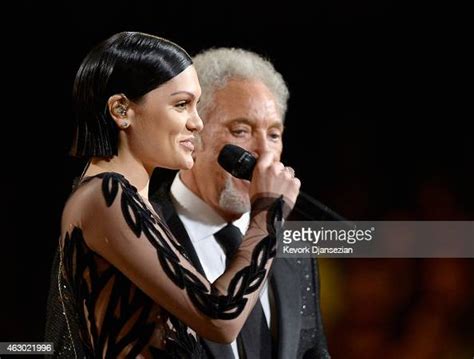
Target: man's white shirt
[{"x": 201, "y": 222}]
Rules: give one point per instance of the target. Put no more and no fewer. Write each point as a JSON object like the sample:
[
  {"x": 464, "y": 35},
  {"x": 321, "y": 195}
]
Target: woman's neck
[{"x": 127, "y": 166}]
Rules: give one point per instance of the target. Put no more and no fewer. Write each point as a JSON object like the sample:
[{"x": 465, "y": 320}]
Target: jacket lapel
[{"x": 162, "y": 203}]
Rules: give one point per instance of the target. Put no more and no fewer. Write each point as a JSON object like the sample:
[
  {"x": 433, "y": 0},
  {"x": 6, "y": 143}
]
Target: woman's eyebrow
[{"x": 181, "y": 92}]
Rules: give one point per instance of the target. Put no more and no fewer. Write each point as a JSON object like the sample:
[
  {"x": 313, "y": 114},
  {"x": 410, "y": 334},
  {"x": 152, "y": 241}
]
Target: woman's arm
[{"x": 122, "y": 229}]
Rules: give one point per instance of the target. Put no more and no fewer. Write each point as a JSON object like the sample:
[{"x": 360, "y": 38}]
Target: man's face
[{"x": 246, "y": 115}]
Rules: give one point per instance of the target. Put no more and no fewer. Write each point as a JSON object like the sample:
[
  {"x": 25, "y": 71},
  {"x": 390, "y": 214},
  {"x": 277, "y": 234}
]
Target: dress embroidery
[{"x": 114, "y": 317}]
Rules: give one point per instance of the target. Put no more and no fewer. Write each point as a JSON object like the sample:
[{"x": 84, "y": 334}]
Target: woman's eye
[{"x": 181, "y": 105}]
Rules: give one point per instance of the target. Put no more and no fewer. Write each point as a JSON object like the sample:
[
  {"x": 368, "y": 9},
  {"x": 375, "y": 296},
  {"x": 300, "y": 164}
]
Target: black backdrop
[{"x": 379, "y": 110}]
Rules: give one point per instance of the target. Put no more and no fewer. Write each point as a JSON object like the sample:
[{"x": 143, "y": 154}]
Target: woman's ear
[{"x": 118, "y": 106}]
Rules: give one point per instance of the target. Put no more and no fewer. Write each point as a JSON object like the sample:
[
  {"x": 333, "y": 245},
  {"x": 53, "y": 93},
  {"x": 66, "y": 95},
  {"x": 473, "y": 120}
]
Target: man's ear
[{"x": 118, "y": 106}]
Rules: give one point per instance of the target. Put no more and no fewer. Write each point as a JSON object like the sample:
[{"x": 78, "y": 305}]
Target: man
[{"x": 243, "y": 102}]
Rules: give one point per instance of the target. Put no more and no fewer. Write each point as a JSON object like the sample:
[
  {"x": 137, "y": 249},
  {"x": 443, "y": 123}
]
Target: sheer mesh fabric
[
  {"x": 123, "y": 287},
  {"x": 61, "y": 317}
]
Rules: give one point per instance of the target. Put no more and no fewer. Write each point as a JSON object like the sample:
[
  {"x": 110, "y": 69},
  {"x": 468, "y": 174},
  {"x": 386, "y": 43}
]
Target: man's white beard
[{"x": 231, "y": 200}]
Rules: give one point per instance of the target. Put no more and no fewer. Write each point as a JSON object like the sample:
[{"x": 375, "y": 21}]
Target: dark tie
[
  {"x": 254, "y": 340},
  {"x": 229, "y": 238}
]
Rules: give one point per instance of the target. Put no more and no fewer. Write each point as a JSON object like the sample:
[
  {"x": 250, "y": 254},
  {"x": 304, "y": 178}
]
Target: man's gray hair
[{"x": 217, "y": 66}]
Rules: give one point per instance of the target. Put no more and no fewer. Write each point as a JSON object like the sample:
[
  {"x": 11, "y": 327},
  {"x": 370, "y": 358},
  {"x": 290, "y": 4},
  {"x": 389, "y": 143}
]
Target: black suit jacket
[{"x": 296, "y": 311}]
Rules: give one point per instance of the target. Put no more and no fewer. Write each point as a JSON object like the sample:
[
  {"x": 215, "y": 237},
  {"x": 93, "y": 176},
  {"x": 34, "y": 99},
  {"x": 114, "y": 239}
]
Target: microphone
[
  {"x": 240, "y": 163},
  {"x": 237, "y": 161}
]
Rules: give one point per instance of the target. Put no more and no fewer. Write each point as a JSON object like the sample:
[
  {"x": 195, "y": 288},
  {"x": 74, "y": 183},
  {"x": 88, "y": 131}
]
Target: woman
[{"x": 122, "y": 285}]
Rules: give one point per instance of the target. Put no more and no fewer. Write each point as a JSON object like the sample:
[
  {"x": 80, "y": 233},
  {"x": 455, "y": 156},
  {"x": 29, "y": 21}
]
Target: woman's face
[{"x": 164, "y": 123}]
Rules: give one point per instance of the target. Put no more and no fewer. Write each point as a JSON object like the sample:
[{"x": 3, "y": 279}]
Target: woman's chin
[
  {"x": 188, "y": 163},
  {"x": 183, "y": 163}
]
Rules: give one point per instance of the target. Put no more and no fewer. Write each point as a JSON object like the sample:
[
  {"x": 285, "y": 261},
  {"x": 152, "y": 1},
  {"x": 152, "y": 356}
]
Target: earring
[
  {"x": 124, "y": 124},
  {"x": 121, "y": 111}
]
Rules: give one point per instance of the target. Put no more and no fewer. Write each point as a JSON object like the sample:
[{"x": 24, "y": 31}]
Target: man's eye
[
  {"x": 239, "y": 132},
  {"x": 275, "y": 136}
]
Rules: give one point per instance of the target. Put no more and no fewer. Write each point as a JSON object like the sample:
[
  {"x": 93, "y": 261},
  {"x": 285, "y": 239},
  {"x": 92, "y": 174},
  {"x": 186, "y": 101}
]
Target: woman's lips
[{"x": 188, "y": 144}]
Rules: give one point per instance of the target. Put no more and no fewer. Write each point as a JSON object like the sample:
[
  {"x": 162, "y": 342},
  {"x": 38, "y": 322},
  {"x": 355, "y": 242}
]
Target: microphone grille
[{"x": 237, "y": 161}]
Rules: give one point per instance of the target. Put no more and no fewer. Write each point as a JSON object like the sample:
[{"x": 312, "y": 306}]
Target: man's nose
[{"x": 259, "y": 145}]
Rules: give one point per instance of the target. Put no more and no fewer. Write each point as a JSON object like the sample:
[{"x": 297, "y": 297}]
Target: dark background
[{"x": 378, "y": 127}]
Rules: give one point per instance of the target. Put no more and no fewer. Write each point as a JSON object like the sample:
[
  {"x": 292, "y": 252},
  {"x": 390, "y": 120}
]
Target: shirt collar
[{"x": 200, "y": 219}]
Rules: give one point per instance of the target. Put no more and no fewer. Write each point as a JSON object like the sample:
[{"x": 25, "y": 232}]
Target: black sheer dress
[{"x": 123, "y": 287}]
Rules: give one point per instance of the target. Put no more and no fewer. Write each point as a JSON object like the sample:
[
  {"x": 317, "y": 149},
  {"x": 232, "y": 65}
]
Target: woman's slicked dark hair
[{"x": 129, "y": 63}]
